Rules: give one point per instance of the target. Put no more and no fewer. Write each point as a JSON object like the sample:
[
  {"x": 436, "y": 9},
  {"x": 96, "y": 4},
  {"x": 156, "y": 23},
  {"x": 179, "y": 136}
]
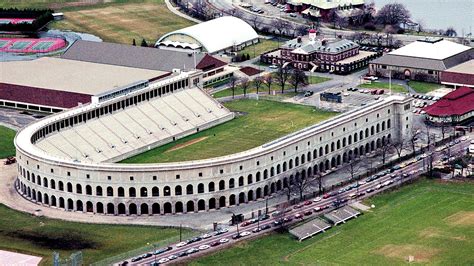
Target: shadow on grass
[{"x": 56, "y": 240}]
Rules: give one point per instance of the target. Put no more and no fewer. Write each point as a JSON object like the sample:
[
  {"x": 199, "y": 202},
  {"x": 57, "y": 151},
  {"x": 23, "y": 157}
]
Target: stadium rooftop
[{"x": 72, "y": 76}]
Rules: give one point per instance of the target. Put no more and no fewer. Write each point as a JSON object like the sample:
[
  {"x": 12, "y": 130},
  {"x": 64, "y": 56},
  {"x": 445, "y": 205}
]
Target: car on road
[
  {"x": 246, "y": 223},
  {"x": 245, "y": 233},
  {"x": 278, "y": 222},
  {"x": 172, "y": 257},
  {"x": 215, "y": 243},
  {"x": 162, "y": 250},
  {"x": 276, "y": 213},
  {"x": 308, "y": 212},
  {"x": 371, "y": 78},
  {"x": 298, "y": 206},
  {"x": 236, "y": 236},
  {"x": 265, "y": 227},
  {"x": 192, "y": 251},
  {"x": 298, "y": 216},
  {"x": 181, "y": 244},
  {"x": 353, "y": 195},
  {"x": 263, "y": 217},
  {"x": 327, "y": 195},
  {"x": 293, "y": 15},
  {"x": 441, "y": 148},
  {"x": 163, "y": 260},
  {"x": 273, "y": 66},
  {"x": 205, "y": 236},
  {"x": 182, "y": 254},
  {"x": 135, "y": 259},
  {"x": 317, "y": 199},
  {"x": 204, "y": 247},
  {"x": 308, "y": 202},
  {"x": 308, "y": 93},
  {"x": 369, "y": 190},
  {"x": 224, "y": 240}
]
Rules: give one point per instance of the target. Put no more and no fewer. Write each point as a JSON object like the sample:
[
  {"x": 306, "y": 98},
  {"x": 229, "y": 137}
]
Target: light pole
[{"x": 154, "y": 251}]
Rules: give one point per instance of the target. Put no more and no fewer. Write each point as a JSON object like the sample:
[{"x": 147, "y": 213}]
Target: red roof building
[{"x": 456, "y": 106}]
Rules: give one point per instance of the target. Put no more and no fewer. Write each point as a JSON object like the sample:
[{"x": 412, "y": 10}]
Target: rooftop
[
  {"x": 457, "y": 102},
  {"x": 132, "y": 56},
  {"x": 464, "y": 68},
  {"x": 217, "y": 34},
  {"x": 328, "y": 4},
  {"x": 429, "y": 49},
  {"x": 72, "y": 76},
  {"x": 304, "y": 46}
]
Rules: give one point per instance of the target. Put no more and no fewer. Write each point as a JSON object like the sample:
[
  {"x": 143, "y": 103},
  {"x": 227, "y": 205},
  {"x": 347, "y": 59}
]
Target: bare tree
[
  {"x": 319, "y": 181},
  {"x": 353, "y": 166},
  {"x": 268, "y": 80},
  {"x": 283, "y": 74},
  {"x": 244, "y": 84},
  {"x": 256, "y": 21},
  {"x": 384, "y": 151},
  {"x": 415, "y": 134},
  {"x": 233, "y": 82},
  {"x": 280, "y": 25},
  {"x": 258, "y": 82},
  {"x": 341, "y": 22},
  {"x": 301, "y": 29},
  {"x": 399, "y": 146},
  {"x": 333, "y": 17},
  {"x": 302, "y": 183},
  {"x": 393, "y": 14},
  {"x": 298, "y": 77}
]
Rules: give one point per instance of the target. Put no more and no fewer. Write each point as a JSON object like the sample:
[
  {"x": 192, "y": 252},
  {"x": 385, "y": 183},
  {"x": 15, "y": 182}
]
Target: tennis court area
[{"x": 31, "y": 45}]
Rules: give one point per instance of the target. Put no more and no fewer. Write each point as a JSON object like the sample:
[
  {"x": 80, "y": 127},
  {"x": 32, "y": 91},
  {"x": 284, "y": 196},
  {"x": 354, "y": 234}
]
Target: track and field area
[
  {"x": 6, "y": 142},
  {"x": 123, "y": 22},
  {"x": 257, "y": 122},
  {"x": 420, "y": 220},
  {"x": 41, "y": 236}
]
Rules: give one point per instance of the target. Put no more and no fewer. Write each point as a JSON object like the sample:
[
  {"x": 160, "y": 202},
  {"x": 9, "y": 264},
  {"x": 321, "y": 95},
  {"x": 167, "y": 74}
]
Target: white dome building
[{"x": 224, "y": 34}]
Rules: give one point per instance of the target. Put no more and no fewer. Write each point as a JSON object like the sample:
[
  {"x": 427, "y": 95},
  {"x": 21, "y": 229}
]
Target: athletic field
[
  {"x": 430, "y": 221},
  {"x": 257, "y": 123},
  {"x": 6, "y": 142},
  {"x": 123, "y": 22}
]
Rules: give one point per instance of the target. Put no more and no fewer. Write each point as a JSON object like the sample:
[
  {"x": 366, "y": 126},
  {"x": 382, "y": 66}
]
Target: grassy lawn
[
  {"x": 432, "y": 221},
  {"x": 383, "y": 85},
  {"x": 6, "y": 142},
  {"x": 259, "y": 48},
  {"x": 123, "y": 22},
  {"x": 423, "y": 87},
  {"x": 262, "y": 121},
  {"x": 264, "y": 88},
  {"x": 41, "y": 236}
]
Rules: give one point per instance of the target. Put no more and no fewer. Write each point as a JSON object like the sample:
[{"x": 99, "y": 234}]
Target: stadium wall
[{"x": 202, "y": 185}]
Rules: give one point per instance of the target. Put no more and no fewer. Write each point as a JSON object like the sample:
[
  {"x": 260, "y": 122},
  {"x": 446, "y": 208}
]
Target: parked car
[
  {"x": 273, "y": 66},
  {"x": 371, "y": 78},
  {"x": 224, "y": 240},
  {"x": 317, "y": 199},
  {"x": 369, "y": 190},
  {"x": 245, "y": 233},
  {"x": 204, "y": 247},
  {"x": 215, "y": 243}
]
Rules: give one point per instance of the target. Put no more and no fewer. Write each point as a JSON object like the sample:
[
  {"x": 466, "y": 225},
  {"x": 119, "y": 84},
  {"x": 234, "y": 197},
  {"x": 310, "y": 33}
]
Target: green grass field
[
  {"x": 383, "y": 85},
  {"x": 41, "y": 236},
  {"x": 6, "y": 142},
  {"x": 432, "y": 221},
  {"x": 262, "y": 121},
  {"x": 423, "y": 87},
  {"x": 264, "y": 88},
  {"x": 263, "y": 46}
]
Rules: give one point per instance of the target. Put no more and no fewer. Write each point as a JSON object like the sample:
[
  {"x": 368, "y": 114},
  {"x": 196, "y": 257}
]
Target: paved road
[{"x": 398, "y": 177}]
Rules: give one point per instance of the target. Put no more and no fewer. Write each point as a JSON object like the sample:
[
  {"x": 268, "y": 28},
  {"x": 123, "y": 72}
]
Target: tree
[
  {"x": 298, "y": 77},
  {"x": 399, "y": 146},
  {"x": 244, "y": 84},
  {"x": 393, "y": 14},
  {"x": 341, "y": 22},
  {"x": 384, "y": 151},
  {"x": 256, "y": 21},
  {"x": 233, "y": 82},
  {"x": 283, "y": 74},
  {"x": 280, "y": 25},
  {"x": 415, "y": 134},
  {"x": 134, "y": 43},
  {"x": 144, "y": 44},
  {"x": 268, "y": 80},
  {"x": 450, "y": 32},
  {"x": 302, "y": 183},
  {"x": 353, "y": 166},
  {"x": 258, "y": 82},
  {"x": 301, "y": 29},
  {"x": 333, "y": 17},
  {"x": 319, "y": 181}
]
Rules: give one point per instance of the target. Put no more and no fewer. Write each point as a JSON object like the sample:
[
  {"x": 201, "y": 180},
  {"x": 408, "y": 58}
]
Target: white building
[{"x": 224, "y": 34}]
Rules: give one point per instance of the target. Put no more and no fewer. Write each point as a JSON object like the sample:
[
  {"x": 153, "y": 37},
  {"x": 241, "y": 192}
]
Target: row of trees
[{"x": 283, "y": 76}]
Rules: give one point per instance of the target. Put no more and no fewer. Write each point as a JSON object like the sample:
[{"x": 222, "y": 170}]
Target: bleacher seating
[
  {"x": 341, "y": 215},
  {"x": 309, "y": 229},
  {"x": 144, "y": 124}
]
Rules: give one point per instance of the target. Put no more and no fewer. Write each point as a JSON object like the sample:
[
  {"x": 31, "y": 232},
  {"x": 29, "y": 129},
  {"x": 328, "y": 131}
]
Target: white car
[
  {"x": 163, "y": 260},
  {"x": 362, "y": 182},
  {"x": 317, "y": 199},
  {"x": 204, "y": 247},
  {"x": 245, "y": 233},
  {"x": 273, "y": 66},
  {"x": 172, "y": 257},
  {"x": 181, "y": 244},
  {"x": 224, "y": 240},
  {"x": 205, "y": 236}
]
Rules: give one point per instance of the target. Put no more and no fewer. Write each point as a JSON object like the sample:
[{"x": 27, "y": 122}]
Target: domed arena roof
[{"x": 215, "y": 35}]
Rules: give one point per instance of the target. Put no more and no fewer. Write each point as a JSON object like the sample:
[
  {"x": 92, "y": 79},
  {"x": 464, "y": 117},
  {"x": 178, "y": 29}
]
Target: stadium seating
[{"x": 144, "y": 124}]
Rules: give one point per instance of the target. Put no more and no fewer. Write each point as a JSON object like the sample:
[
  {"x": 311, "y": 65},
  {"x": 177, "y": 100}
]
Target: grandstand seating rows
[
  {"x": 144, "y": 124},
  {"x": 341, "y": 215},
  {"x": 310, "y": 229}
]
